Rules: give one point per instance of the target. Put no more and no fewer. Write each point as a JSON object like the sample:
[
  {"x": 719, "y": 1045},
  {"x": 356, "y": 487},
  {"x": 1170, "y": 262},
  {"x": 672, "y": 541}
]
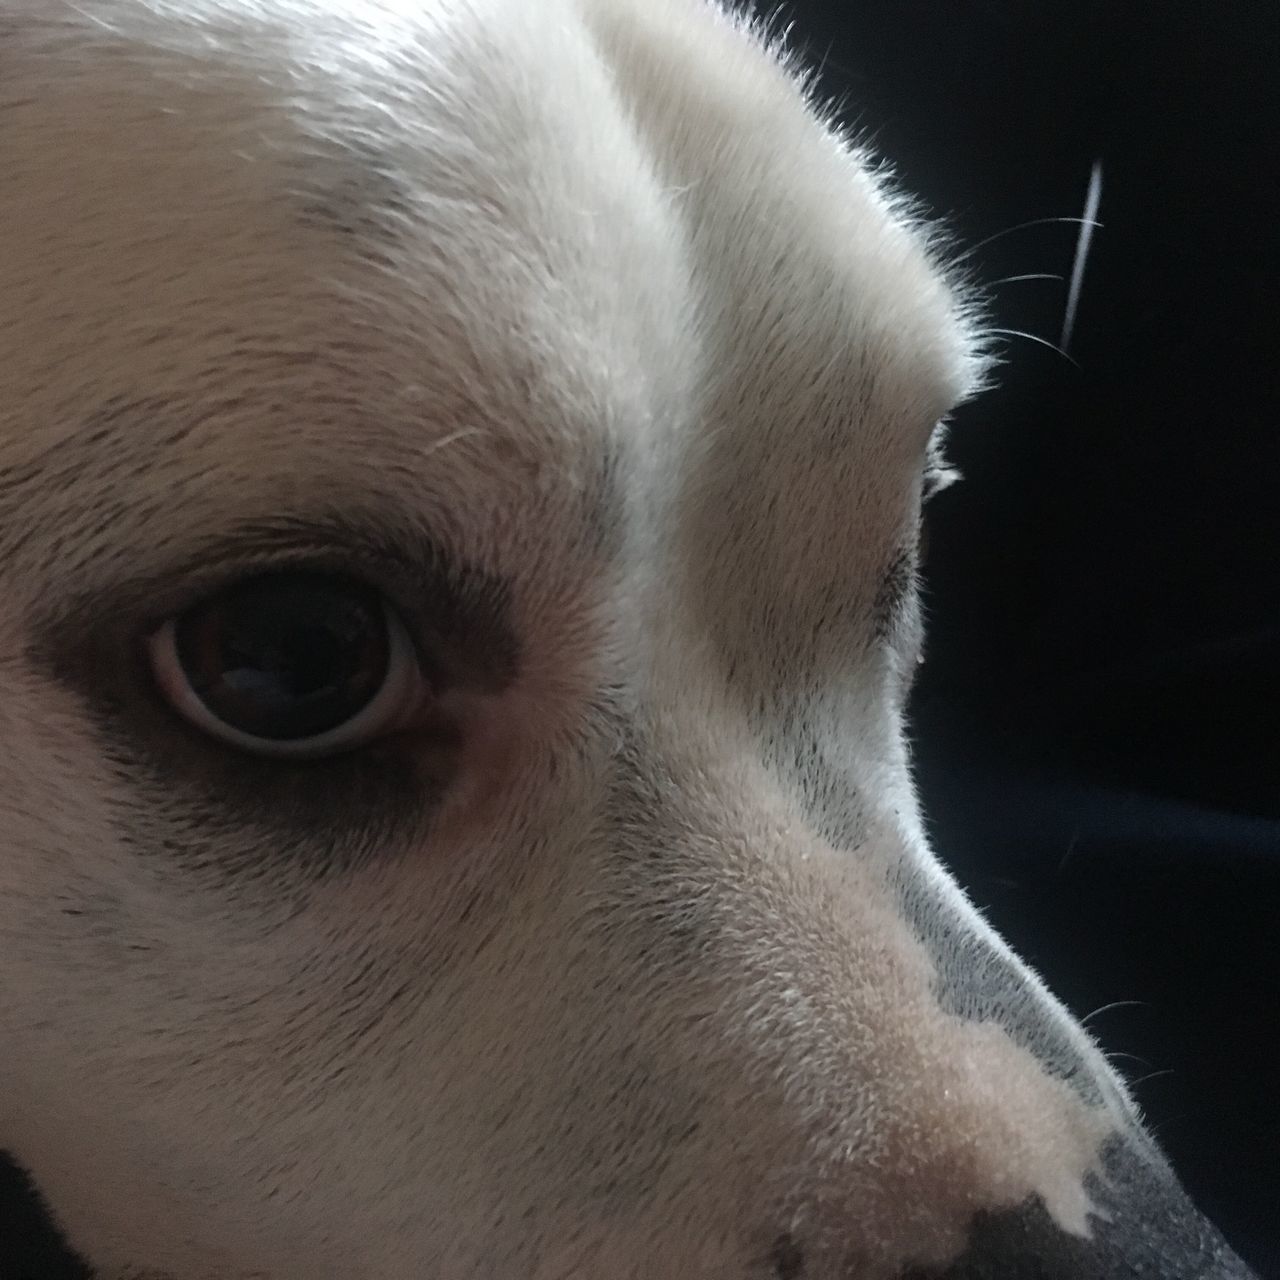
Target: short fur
[{"x": 578, "y": 329}]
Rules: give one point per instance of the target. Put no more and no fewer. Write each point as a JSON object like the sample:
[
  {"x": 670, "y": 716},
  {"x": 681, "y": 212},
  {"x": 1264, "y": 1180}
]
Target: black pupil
[{"x": 286, "y": 656}]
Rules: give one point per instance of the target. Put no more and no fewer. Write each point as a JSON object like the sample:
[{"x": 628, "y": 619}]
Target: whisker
[
  {"x": 1008, "y": 231},
  {"x": 1116, "y": 1056},
  {"x": 1031, "y": 337},
  {"x": 1092, "y": 199},
  {"x": 1157, "y": 1128},
  {"x": 1030, "y": 275},
  {"x": 1068, "y": 854},
  {"x": 1115, "y": 1004},
  {"x": 1151, "y": 1075}
]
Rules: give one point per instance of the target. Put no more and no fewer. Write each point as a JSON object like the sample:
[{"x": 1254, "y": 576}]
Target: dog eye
[{"x": 290, "y": 664}]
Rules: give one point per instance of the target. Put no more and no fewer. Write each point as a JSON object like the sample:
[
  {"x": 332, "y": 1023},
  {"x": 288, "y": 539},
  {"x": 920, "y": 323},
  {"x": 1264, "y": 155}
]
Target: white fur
[{"x": 641, "y": 996}]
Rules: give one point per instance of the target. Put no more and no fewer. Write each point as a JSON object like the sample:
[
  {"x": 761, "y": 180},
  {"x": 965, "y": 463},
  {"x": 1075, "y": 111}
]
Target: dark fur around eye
[{"x": 342, "y": 809}]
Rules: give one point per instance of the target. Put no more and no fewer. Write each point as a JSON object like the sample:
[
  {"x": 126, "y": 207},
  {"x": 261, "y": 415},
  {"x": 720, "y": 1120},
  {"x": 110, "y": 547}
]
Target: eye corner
[
  {"x": 935, "y": 478},
  {"x": 937, "y": 472}
]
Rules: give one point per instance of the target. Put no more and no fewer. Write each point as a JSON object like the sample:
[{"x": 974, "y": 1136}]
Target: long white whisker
[
  {"x": 1092, "y": 199},
  {"x": 1151, "y": 1075},
  {"x": 1127, "y": 1057},
  {"x": 1030, "y": 275},
  {"x": 1031, "y": 337},
  {"x": 1008, "y": 231},
  {"x": 1106, "y": 1008}
]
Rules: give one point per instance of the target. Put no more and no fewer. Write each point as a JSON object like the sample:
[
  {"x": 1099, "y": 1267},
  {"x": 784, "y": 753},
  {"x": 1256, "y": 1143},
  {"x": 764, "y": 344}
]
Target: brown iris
[{"x": 286, "y": 656}]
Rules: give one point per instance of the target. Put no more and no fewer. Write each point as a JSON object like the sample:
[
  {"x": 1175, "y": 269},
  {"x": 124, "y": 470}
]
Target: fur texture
[{"x": 578, "y": 331}]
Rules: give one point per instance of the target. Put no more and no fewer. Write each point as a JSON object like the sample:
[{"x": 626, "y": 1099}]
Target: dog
[{"x": 461, "y": 469}]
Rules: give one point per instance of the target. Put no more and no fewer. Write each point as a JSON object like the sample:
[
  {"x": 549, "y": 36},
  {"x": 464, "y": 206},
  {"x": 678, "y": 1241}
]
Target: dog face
[{"x": 460, "y": 469}]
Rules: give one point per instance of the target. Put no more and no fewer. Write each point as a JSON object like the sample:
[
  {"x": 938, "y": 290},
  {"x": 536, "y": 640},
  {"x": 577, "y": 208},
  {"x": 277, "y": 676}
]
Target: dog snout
[
  {"x": 920, "y": 1108},
  {"x": 1142, "y": 1224}
]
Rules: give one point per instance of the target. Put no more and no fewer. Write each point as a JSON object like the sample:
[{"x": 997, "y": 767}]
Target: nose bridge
[
  {"x": 909, "y": 1100},
  {"x": 824, "y": 835},
  {"x": 834, "y": 975},
  {"x": 978, "y": 978}
]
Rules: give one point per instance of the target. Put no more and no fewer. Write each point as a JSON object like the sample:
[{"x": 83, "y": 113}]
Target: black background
[{"x": 1096, "y": 724}]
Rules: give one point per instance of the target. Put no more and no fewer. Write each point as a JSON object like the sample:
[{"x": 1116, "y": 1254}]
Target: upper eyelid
[
  {"x": 933, "y": 480},
  {"x": 460, "y": 614},
  {"x": 183, "y": 584},
  {"x": 936, "y": 472},
  {"x": 400, "y": 566}
]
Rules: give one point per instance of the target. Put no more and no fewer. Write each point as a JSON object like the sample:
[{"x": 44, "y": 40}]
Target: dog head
[{"x": 460, "y": 471}]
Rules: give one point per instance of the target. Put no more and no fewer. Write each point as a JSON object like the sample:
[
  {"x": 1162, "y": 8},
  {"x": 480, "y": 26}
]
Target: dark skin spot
[
  {"x": 359, "y": 194},
  {"x": 979, "y": 983},
  {"x": 895, "y": 587},
  {"x": 787, "y": 1258},
  {"x": 1145, "y": 1227},
  {"x": 604, "y": 503}
]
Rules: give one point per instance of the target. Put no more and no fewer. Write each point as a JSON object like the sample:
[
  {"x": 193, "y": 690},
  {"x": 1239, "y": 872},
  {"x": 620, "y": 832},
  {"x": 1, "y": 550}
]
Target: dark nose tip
[{"x": 1145, "y": 1228}]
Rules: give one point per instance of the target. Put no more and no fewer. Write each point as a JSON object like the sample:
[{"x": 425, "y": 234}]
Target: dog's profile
[{"x": 460, "y": 471}]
